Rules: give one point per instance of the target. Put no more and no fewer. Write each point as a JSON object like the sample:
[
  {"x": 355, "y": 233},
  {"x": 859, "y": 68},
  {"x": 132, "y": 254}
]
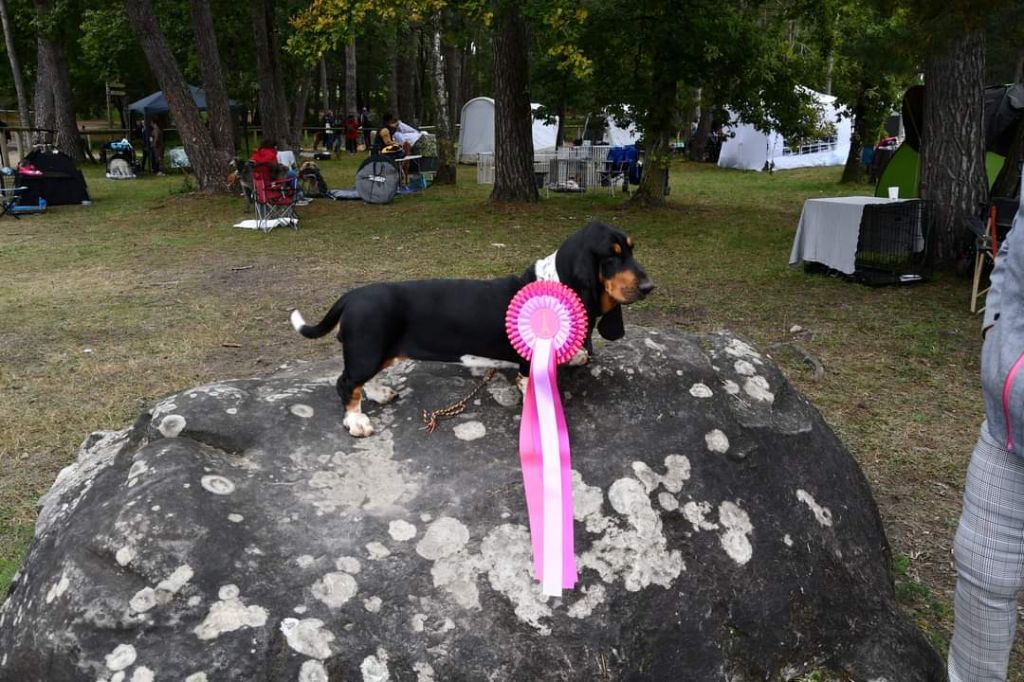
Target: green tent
[
  {"x": 1004, "y": 111},
  {"x": 903, "y": 171}
]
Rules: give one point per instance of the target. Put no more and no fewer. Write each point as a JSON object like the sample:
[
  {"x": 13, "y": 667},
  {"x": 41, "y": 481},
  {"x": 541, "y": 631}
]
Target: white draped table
[{"x": 828, "y": 231}]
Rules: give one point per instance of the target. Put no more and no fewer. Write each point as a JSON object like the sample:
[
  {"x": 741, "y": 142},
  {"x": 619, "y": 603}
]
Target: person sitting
[
  {"x": 385, "y": 142},
  {"x": 266, "y": 155}
]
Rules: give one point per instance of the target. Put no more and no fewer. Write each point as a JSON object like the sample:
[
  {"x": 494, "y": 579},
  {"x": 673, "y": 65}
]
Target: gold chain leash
[{"x": 430, "y": 419}]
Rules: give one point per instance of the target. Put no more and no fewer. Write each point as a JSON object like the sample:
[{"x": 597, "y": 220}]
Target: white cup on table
[{"x": 894, "y": 192}]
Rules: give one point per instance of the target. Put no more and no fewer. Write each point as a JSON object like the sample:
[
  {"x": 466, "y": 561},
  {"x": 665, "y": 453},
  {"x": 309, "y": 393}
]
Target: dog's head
[{"x": 597, "y": 262}]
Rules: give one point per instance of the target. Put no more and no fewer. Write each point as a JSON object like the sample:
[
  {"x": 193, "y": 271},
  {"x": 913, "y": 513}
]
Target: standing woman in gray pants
[{"x": 989, "y": 543}]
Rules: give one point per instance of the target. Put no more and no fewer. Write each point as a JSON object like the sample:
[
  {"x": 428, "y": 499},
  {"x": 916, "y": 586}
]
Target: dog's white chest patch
[{"x": 545, "y": 269}]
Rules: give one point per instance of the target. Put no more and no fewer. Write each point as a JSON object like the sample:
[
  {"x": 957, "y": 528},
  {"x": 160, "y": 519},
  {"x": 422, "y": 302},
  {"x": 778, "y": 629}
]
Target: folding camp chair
[
  {"x": 9, "y": 201},
  {"x": 8, "y": 195},
  {"x": 618, "y": 168},
  {"x": 988, "y": 235},
  {"x": 273, "y": 199}
]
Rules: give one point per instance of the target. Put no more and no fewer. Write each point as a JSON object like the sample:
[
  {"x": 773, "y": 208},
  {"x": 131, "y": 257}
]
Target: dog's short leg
[
  {"x": 357, "y": 423},
  {"x": 581, "y": 358},
  {"x": 379, "y": 393}
]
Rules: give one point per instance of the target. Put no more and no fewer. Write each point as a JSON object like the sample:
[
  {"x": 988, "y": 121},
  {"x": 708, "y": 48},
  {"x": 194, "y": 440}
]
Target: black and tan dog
[{"x": 447, "y": 320}]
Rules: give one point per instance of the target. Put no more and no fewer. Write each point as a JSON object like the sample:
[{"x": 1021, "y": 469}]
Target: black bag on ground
[{"x": 53, "y": 176}]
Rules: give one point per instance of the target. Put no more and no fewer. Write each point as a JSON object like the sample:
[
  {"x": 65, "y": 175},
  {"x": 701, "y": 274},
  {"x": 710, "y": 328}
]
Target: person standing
[
  {"x": 157, "y": 141},
  {"x": 338, "y": 125},
  {"x": 147, "y": 144},
  {"x": 366, "y": 124},
  {"x": 989, "y": 545},
  {"x": 351, "y": 133},
  {"x": 328, "y": 124}
]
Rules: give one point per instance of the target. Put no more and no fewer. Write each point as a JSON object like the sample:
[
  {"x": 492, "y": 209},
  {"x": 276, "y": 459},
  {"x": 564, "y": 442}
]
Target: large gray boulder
[{"x": 237, "y": 532}]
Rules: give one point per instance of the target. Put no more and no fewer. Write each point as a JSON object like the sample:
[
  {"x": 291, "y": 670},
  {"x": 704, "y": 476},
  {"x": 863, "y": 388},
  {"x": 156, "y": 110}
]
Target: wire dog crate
[{"x": 893, "y": 247}]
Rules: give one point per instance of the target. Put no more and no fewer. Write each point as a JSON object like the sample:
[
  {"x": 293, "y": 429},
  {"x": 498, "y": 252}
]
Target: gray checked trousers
[{"x": 989, "y": 553}]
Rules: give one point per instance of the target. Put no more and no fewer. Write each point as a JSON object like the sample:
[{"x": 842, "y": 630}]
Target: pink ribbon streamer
[{"x": 547, "y": 474}]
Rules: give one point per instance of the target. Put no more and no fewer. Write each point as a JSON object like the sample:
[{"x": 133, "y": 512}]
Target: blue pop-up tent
[{"x": 156, "y": 103}]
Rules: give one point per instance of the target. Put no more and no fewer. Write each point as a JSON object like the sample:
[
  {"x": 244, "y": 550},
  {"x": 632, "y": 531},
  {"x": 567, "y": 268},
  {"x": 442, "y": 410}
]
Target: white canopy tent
[
  {"x": 619, "y": 136},
  {"x": 747, "y": 148},
  {"x": 476, "y": 136}
]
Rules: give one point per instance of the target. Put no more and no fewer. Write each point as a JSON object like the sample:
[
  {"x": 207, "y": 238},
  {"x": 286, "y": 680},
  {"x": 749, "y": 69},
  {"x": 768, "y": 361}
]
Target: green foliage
[
  {"x": 734, "y": 49},
  {"x": 1005, "y": 44},
  {"x": 871, "y": 47},
  {"x": 104, "y": 48},
  {"x": 326, "y": 25}
]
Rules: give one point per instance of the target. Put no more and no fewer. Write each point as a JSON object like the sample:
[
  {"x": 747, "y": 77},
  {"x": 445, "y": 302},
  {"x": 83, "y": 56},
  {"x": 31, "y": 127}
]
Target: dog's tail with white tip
[{"x": 325, "y": 326}]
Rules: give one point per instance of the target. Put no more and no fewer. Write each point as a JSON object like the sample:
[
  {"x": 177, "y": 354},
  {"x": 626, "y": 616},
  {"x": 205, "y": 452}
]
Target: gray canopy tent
[{"x": 156, "y": 103}]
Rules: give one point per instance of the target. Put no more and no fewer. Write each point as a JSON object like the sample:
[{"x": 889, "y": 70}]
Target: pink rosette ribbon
[{"x": 546, "y": 323}]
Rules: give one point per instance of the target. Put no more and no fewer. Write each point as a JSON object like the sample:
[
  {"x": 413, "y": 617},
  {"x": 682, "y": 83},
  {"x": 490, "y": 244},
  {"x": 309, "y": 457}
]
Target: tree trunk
[
  {"x": 19, "y": 82},
  {"x": 325, "y": 99},
  {"x": 299, "y": 111},
  {"x": 852, "y": 171},
  {"x": 953, "y": 147},
  {"x": 272, "y": 103},
  {"x": 68, "y": 139},
  {"x": 217, "y": 106},
  {"x": 351, "y": 105},
  {"x": 657, "y": 131},
  {"x": 208, "y": 163},
  {"x": 560, "y": 133},
  {"x": 44, "y": 118},
  {"x": 446, "y": 162},
  {"x": 513, "y": 124},
  {"x": 393, "y": 80},
  {"x": 406, "y": 74},
  {"x": 65, "y": 125},
  {"x": 453, "y": 62},
  {"x": 697, "y": 149}
]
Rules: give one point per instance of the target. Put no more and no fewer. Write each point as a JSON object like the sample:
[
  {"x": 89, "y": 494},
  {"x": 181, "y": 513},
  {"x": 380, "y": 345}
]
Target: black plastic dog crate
[{"x": 893, "y": 247}]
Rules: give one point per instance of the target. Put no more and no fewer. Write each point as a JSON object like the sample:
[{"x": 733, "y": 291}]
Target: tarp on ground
[
  {"x": 476, "y": 135},
  {"x": 748, "y": 148}
]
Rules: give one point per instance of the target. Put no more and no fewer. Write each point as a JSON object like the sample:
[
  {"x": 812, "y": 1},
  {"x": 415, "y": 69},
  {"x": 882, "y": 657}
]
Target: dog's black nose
[{"x": 646, "y": 287}]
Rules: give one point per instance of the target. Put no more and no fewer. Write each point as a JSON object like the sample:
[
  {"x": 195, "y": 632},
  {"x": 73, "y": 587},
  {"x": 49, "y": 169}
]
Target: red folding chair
[
  {"x": 273, "y": 199},
  {"x": 989, "y": 234}
]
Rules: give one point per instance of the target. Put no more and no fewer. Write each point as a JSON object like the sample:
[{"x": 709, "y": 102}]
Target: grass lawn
[{"x": 150, "y": 290}]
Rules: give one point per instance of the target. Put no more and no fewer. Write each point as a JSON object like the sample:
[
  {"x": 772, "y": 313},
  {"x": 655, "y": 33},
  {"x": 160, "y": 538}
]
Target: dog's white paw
[
  {"x": 358, "y": 424},
  {"x": 581, "y": 358},
  {"x": 379, "y": 393}
]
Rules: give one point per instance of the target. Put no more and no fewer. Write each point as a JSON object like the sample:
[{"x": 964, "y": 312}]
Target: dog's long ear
[
  {"x": 610, "y": 326},
  {"x": 577, "y": 262}
]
